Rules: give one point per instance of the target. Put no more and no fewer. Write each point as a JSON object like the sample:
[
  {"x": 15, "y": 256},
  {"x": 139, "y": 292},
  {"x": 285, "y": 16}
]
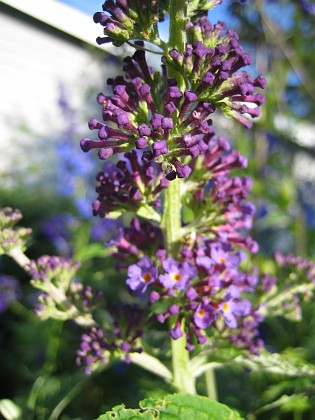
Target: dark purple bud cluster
[
  {"x": 94, "y": 350},
  {"x": 131, "y": 242},
  {"x": 211, "y": 64},
  {"x": 11, "y": 236},
  {"x": 120, "y": 337},
  {"x": 166, "y": 126},
  {"x": 202, "y": 290},
  {"x": 128, "y": 185},
  {"x": 125, "y": 20},
  {"x": 9, "y": 291}
]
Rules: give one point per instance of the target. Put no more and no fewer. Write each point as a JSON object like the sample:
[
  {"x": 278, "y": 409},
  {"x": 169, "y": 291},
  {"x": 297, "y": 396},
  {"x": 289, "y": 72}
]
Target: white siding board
[{"x": 32, "y": 65}]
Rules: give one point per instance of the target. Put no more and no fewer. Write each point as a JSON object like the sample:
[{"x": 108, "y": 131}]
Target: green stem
[
  {"x": 178, "y": 11},
  {"x": 182, "y": 376},
  {"x": 183, "y": 379},
  {"x": 211, "y": 384},
  {"x": 171, "y": 220},
  {"x": 152, "y": 364},
  {"x": 18, "y": 255}
]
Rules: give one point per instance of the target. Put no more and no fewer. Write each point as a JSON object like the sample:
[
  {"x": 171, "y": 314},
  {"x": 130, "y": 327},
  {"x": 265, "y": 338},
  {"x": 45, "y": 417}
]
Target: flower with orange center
[
  {"x": 204, "y": 315},
  {"x": 141, "y": 275},
  {"x": 177, "y": 275}
]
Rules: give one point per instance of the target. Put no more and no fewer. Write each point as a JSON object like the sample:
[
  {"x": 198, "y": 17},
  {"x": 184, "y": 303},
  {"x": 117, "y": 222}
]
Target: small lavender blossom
[
  {"x": 177, "y": 275},
  {"x": 121, "y": 337},
  {"x": 9, "y": 291},
  {"x": 11, "y": 236},
  {"x": 176, "y": 332},
  {"x": 141, "y": 275},
  {"x": 204, "y": 315}
]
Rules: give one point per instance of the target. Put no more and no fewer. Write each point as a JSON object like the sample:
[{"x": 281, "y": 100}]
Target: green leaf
[
  {"x": 149, "y": 213},
  {"x": 287, "y": 364},
  {"x": 114, "y": 214},
  {"x": 175, "y": 407},
  {"x": 93, "y": 251},
  {"x": 120, "y": 412}
]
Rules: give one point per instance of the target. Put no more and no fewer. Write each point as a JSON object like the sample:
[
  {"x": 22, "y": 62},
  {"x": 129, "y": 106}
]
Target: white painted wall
[{"x": 33, "y": 63}]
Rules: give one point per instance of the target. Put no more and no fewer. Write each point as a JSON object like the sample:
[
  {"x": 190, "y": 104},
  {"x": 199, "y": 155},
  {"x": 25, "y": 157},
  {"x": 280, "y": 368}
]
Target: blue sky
[{"x": 92, "y": 6}]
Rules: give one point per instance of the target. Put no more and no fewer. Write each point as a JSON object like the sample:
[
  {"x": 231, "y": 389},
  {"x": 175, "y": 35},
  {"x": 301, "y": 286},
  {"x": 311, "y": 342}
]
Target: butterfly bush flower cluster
[
  {"x": 170, "y": 123},
  {"x": 295, "y": 284},
  {"x": 160, "y": 124},
  {"x": 62, "y": 294},
  {"x": 183, "y": 251},
  {"x": 12, "y": 237}
]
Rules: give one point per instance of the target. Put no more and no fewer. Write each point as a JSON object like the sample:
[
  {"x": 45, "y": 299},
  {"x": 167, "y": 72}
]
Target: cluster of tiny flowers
[
  {"x": 302, "y": 264},
  {"x": 12, "y": 237},
  {"x": 53, "y": 276},
  {"x": 128, "y": 185},
  {"x": 219, "y": 202},
  {"x": 83, "y": 297},
  {"x": 124, "y": 20},
  {"x": 211, "y": 64},
  {"x": 53, "y": 269},
  {"x": 203, "y": 289},
  {"x": 148, "y": 124},
  {"x": 9, "y": 291},
  {"x": 295, "y": 283},
  {"x": 121, "y": 337},
  {"x": 166, "y": 122},
  {"x": 163, "y": 126},
  {"x": 133, "y": 241}
]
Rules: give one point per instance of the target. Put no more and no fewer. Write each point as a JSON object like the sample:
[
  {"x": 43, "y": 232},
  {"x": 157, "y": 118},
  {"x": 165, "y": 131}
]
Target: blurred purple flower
[{"x": 9, "y": 291}]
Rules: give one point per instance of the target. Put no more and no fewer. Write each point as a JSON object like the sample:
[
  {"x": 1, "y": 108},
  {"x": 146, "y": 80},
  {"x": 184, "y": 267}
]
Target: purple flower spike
[{"x": 141, "y": 275}]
